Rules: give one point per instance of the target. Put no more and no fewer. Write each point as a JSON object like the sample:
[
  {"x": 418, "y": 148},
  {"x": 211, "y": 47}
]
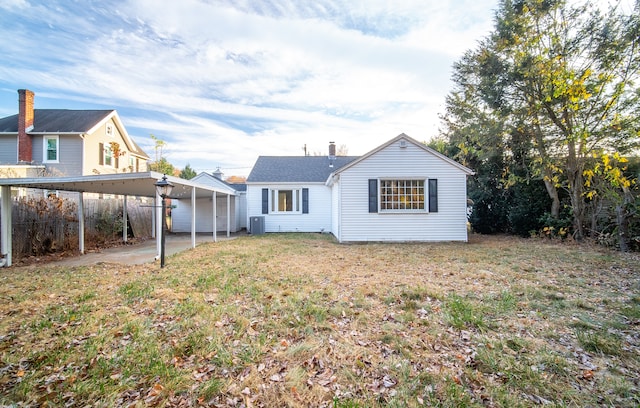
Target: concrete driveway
[{"x": 139, "y": 253}]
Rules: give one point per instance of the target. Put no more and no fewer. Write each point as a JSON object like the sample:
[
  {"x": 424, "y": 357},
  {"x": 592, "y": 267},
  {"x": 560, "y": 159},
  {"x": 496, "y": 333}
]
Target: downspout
[{"x": 82, "y": 137}]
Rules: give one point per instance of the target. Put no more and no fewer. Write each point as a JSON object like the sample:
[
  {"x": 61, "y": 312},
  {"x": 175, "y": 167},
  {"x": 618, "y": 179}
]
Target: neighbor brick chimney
[
  {"x": 332, "y": 149},
  {"x": 25, "y": 124}
]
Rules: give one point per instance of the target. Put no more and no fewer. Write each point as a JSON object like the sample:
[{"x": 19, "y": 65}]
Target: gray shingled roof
[
  {"x": 295, "y": 169},
  {"x": 62, "y": 121},
  {"x": 57, "y": 121}
]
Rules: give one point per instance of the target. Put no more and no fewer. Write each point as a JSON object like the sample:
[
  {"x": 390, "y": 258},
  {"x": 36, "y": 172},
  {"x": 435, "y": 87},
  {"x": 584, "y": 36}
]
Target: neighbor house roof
[
  {"x": 296, "y": 169},
  {"x": 57, "y": 121},
  {"x": 68, "y": 121}
]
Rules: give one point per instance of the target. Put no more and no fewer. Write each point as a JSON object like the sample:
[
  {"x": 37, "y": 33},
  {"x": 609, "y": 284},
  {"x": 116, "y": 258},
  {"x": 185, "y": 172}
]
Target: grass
[{"x": 297, "y": 320}]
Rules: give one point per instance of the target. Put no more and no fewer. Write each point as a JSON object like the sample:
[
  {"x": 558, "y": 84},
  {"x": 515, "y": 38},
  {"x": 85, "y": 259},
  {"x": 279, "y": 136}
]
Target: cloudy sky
[{"x": 224, "y": 81}]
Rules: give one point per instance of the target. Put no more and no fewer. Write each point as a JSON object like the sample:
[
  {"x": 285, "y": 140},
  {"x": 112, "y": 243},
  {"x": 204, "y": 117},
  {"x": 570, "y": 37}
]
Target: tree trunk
[
  {"x": 553, "y": 194},
  {"x": 575, "y": 181},
  {"x": 623, "y": 228},
  {"x": 577, "y": 204},
  {"x": 548, "y": 172},
  {"x": 622, "y": 219}
]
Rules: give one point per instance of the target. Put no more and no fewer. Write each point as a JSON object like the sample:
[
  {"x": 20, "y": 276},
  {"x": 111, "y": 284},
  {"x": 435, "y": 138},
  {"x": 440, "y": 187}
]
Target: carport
[{"x": 125, "y": 184}]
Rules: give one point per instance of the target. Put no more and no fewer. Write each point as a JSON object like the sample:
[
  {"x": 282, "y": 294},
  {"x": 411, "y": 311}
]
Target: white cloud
[{"x": 225, "y": 81}]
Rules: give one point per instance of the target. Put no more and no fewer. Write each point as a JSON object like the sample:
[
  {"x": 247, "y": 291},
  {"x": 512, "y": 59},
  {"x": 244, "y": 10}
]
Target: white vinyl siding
[
  {"x": 395, "y": 162},
  {"x": 69, "y": 155},
  {"x": 317, "y": 220}
]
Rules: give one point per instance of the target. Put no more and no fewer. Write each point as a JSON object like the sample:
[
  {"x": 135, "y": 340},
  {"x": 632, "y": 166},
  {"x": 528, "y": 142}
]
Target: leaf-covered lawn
[{"x": 297, "y": 320}]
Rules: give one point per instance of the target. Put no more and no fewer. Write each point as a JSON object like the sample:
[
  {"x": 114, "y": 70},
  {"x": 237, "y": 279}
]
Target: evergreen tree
[{"x": 188, "y": 173}]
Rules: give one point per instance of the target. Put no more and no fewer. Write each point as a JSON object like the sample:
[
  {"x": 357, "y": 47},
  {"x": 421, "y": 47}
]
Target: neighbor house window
[
  {"x": 50, "y": 149},
  {"x": 285, "y": 200},
  {"x": 402, "y": 195},
  {"x": 108, "y": 156}
]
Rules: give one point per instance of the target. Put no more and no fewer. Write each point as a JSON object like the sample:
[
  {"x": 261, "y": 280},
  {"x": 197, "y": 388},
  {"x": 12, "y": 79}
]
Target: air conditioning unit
[{"x": 256, "y": 225}]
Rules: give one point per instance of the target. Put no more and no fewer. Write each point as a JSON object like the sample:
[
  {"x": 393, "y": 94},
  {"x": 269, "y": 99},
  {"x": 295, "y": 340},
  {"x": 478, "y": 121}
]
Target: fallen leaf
[
  {"x": 156, "y": 390},
  {"x": 276, "y": 378},
  {"x": 388, "y": 382}
]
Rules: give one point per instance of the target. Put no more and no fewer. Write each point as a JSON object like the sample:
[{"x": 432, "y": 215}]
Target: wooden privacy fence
[{"x": 48, "y": 225}]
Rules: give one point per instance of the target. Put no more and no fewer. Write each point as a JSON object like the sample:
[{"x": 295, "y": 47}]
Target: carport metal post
[
  {"x": 5, "y": 220},
  {"x": 215, "y": 218},
  {"x": 193, "y": 217},
  {"x": 228, "y": 215},
  {"x": 124, "y": 220},
  {"x": 81, "y": 222}
]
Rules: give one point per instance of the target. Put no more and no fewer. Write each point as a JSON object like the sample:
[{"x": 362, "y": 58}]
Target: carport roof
[{"x": 132, "y": 184}]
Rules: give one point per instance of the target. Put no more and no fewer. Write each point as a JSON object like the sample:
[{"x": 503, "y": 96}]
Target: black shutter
[
  {"x": 265, "y": 201},
  {"x": 305, "y": 201},
  {"x": 373, "y": 195},
  {"x": 101, "y": 154},
  {"x": 117, "y": 162},
  {"x": 433, "y": 195}
]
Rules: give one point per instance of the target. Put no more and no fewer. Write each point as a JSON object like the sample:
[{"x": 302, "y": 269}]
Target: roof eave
[{"x": 283, "y": 182}]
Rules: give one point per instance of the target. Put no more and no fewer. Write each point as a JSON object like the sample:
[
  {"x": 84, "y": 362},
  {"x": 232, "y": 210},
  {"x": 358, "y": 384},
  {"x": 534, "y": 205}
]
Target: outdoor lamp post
[{"x": 163, "y": 187}]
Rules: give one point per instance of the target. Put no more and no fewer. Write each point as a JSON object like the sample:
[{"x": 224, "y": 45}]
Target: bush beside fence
[{"x": 50, "y": 225}]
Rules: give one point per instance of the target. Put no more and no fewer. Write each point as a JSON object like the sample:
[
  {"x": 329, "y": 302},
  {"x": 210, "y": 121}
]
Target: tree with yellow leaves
[{"x": 562, "y": 81}]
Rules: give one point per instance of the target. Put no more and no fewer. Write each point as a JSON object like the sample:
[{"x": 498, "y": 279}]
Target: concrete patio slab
[{"x": 139, "y": 253}]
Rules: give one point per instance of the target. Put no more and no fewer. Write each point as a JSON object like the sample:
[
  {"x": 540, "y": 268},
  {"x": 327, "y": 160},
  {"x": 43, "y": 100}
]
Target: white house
[{"x": 400, "y": 191}]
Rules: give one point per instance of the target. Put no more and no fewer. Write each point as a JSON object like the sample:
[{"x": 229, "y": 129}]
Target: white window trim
[
  {"x": 44, "y": 148},
  {"x": 297, "y": 200},
  {"x": 425, "y": 197}
]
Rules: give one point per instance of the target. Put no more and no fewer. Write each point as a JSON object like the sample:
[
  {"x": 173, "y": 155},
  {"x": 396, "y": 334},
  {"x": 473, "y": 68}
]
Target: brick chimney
[
  {"x": 332, "y": 153},
  {"x": 332, "y": 149},
  {"x": 25, "y": 124}
]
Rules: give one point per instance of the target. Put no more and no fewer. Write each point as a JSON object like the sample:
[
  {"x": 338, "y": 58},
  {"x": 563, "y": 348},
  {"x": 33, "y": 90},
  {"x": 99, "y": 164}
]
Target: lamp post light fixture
[{"x": 163, "y": 188}]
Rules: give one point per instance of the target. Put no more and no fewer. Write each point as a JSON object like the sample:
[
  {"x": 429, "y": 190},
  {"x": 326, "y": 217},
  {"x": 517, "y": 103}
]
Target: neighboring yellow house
[{"x": 64, "y": 142}]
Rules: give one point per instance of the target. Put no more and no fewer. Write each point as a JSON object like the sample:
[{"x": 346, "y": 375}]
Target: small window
[
  {"x": 50, "y": 149},
  {"x": 285, "y": 201},
  {"x": 108, "y": 130},
  {"x": 108, "y": 156},
  {"x": 402, "y": 195}
]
